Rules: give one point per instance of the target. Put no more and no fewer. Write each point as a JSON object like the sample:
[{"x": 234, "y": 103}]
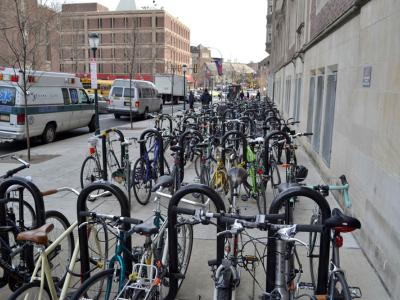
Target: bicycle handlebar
[
  {"x": 125, "y": 220},
  {"x": 11, "y": 172}
]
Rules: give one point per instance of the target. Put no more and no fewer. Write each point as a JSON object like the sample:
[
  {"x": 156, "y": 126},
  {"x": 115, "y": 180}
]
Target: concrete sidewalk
[{"x": 63, "y": 169}]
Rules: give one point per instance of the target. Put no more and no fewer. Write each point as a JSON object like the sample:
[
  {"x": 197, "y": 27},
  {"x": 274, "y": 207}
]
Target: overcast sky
[{"x": 236, "y": 28}]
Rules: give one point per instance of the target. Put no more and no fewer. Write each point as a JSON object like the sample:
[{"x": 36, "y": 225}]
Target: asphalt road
[{"x": 106, "y": 121}]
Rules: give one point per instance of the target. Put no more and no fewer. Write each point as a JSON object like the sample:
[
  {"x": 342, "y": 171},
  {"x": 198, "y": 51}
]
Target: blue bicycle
[{"x": 147, "y": 169}]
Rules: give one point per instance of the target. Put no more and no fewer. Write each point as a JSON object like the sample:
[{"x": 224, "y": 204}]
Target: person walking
[
  {"x": 191, "y": 100},
  {"x": 241, "y": 95},
  {"x": 248, "y": 95},
  {"x": 206, "y": 99},
  {"x": 258, "y": 95}
]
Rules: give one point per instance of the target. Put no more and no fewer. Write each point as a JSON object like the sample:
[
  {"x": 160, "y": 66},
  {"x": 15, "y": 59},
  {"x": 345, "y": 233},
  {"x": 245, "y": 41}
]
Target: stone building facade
[
  {"x": 335, "y": 66},
  {"x": 152, "y": 40}
]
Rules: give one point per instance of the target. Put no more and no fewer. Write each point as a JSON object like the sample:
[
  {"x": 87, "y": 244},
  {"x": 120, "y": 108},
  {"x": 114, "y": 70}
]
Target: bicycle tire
[
  {"x": 139, "y": 184},
  {"x": 224, "y": 294},
  {"x": 261, "y": 197},
  {"x": 30, "y": 291},
  {"x": 89, "y": 286},
  {"x": 93, "y": 174},
  {"x": 338, "y": 294},
  {"x": 59, "y": 259}
]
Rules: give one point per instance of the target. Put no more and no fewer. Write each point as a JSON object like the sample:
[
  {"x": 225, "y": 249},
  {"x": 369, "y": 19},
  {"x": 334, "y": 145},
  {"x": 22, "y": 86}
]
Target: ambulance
[{"x": 56, "y": 102}]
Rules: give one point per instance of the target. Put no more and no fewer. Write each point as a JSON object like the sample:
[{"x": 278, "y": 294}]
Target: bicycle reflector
[{"x": 338, "y": 241}]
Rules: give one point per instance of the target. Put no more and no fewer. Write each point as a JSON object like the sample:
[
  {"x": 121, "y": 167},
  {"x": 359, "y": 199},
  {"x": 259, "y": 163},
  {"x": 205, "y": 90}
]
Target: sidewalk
[{"x": 63, "y": 169}]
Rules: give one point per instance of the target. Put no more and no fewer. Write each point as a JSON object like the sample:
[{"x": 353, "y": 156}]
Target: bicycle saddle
[
  {"x": 146, "y": 229},
  {"x": 342, "y": 223},
  {"x": 163, "y": 181},
  {"x": 237, "y": 176},
  {"x": 201, "y": 145},
  {"x": 38, "y": 235}
]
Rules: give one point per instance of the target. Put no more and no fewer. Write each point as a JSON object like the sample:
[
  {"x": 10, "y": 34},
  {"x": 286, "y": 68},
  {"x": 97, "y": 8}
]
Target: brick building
[
  {"x": 335, "y": 67},
  {"x": 152, "y": 40},
  {"x": 39, "y": 23}
]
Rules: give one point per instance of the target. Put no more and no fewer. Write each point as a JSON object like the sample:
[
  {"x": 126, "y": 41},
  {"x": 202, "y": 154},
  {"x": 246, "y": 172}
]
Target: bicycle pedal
[
  {"x": 355, "y": 292},
  {"x": 244, "y": 197},
  {"x": 306, "y": 286}
]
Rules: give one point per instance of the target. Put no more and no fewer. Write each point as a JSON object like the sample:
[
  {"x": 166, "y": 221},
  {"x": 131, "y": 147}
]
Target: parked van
[
  {"x": 144, "y": 96},
  {"x": 56, "y": 102}
]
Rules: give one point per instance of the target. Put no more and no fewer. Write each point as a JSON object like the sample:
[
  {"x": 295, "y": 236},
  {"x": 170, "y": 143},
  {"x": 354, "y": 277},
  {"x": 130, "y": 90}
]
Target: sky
[{"x": 234, "y": 28}]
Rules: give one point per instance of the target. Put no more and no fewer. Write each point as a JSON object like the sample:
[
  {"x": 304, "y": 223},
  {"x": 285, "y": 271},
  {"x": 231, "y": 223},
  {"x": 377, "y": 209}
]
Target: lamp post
[
  {"x": 94, "y": 41},
  {"x": 184, "y": 69}
]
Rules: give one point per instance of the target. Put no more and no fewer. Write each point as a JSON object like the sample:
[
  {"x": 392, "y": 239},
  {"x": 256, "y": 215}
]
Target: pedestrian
[
  {"x": 220, "y": 96},
  {"x": 191, "y": 100},
  {"x": 205, "y": 99},
  {"x": 241, "y": 95},
  {"x": 248, "y": 95},
  {"x": 258, "y": 95}
]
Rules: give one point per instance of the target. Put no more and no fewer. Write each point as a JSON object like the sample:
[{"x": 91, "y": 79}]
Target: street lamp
[
  {"x": 184, "y": 69},
  {"x": 94, "y": 41}
]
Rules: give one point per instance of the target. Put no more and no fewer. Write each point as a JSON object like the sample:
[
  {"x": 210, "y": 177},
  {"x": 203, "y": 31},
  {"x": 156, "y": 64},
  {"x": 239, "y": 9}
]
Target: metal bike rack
[
  {"x": 21, "y": 184},
  {"x": 266, "y": 146},
  {"x": 182, "y": 152},
  {"x": 167, "y": 117},
  {"x": 103, "y": 136},
  {"x": 82, "y": 230},
  {"x": 173, "y": 235},
  {"x": 248, "y": 120},
  {"x": 244, "y": 143},
  {"x": 160, "y": 151},
  {"x": 323, "y": 266}
]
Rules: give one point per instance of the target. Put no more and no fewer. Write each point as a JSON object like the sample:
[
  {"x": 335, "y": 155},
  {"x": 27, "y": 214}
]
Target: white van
[
  {"x": 144, "y": 98},
  {"x": 56, "y": 102}
]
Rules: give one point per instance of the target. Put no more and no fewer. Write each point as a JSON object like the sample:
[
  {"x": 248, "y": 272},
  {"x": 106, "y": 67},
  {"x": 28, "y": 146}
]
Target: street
[{"x": 106, "y": 121}]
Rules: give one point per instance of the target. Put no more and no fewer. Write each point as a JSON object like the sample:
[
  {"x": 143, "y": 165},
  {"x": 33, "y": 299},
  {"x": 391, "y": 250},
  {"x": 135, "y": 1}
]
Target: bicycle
[{"x": 43, "y": 284}]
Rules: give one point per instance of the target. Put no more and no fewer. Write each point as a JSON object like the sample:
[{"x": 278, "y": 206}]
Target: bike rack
[
  {"x": 323, "y": 266},
  {"x": 103, "y": 136},
  {"x": 167, "y": 117},
  {"x": 22, "y": 184},
  {"x": 244, "y": 144},
  {"x": 266, "y": 147},
  {"x": 172, "y": 230},
  {"x": 160, "y": 151},
  {"x": 248, "y": 120},
  {"x": 182, "y": 152},
  {"x": 82, "y": 231}
]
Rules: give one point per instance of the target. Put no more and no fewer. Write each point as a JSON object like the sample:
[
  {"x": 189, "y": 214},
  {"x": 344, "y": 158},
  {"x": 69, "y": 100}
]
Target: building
[
  {"x": 200, "y": 56},
  {"x": 335, "y": 67},
  {"x": 237, "y": 73},
  {"x": 145, "y": 42},
  {"x": 40, "y": 41}
]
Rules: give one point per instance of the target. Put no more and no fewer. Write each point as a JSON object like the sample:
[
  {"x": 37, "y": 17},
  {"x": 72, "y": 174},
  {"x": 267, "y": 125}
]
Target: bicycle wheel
[
  {"x": 90, "y": 171},
  {"x": 30, "y": 291},
  {"x": 313, "y": 252},
  {"x": 338, "y": 289},
  {"x": 103, "y": 285},
  {"x": 224, "y": 294},
  {"x": 141, "y": 182},
  {"x": 261, "y": 196},
  {"x": 60, "y": 257}
]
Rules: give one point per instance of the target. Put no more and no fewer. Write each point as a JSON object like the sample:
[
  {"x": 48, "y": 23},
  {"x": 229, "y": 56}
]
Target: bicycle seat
[
  {"x": 141, "y": 141},
  {"x": 201, "y": 145},
  {"x": 38, "y": 236},
  {"x": 284, "y": 186},
  {"x": 175, "y": 148},
  {"x": 342, "y": 223},
  {"x": 163, "y": 181},
  {"x": 146, "y": 229},
  {"x": 237, "y": 176}
]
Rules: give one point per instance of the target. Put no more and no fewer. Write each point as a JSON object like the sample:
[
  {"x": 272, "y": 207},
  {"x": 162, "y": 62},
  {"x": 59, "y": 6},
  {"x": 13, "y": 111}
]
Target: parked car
[{"x": 103, "y": 103}]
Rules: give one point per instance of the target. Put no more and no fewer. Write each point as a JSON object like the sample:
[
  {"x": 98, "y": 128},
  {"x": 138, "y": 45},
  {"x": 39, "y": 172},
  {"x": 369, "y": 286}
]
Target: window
[
  {"x": 74, "y": 96},
  {"x": 329, "y": 116},
  {"x": 129, "y": 93},
  {"x": 297, "y": 97},
  {"x": 7, "y": 95},
  {"x": 66, "y": 96},
  {"x": 287, "y": 98},
  {"x": 117, "y": 92},
  {"x": 83, "y": 97},
  {"x": 318, "y": 114},
  {"x": 310, "y": 112}
]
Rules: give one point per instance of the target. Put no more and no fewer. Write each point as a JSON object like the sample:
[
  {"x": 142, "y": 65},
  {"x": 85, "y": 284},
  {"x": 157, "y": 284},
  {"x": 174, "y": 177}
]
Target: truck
[{"x": 167, "y": 84}]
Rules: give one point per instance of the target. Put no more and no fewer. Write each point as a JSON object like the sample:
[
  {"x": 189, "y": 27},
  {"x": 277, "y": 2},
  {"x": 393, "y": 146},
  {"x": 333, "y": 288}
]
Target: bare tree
[
  {"x": 27, "y": 43},
  {"x": 131, "y": 54}
]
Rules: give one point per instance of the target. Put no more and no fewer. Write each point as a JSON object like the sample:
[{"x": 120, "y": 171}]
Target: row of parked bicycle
[{"x": 238, "y": 151}]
